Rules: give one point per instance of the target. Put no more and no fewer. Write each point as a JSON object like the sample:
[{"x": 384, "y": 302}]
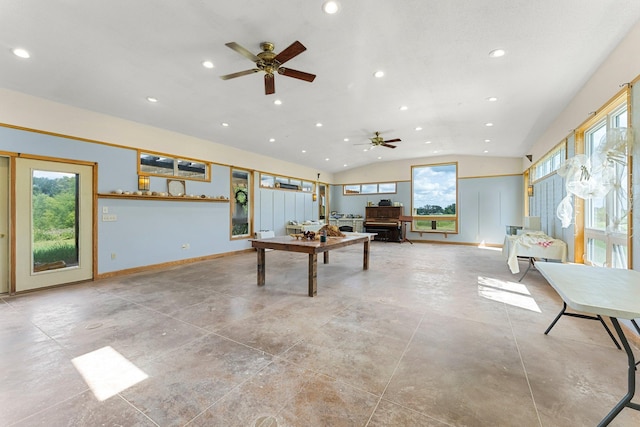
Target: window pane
[
  {"x": 369, "y": 188},
  {"x": 307, "y": 186},
  {"x": 351, "y": 189},
  {"x": 156, "y": 164},
  {"x": 387, "y": 187},
  {"x": 267, "y": 181},
  {"x": 597, "y": 251},
  {"x": 296, "y": 182},
  {"x": 434, "y": 225},
  {"x": 55, "y": 227},
  {"x": 240, "y": 203},
  {"x": 189, "y": 169},
  {"x": 596, "y": 217},
  {"x": 434, "y": 190},
  {"x": 619, "y": 257}
]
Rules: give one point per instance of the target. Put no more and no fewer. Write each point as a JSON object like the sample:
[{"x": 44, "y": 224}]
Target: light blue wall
[
  {"x": 146, "y": 232},
  {"x": 485, "y": 207}
]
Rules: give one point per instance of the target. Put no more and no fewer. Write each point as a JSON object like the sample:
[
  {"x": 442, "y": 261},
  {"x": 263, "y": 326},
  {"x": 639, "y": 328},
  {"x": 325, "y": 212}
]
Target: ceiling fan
[
  {"x": 380, "y": 141},
  {"x": 271, "y": 63}
]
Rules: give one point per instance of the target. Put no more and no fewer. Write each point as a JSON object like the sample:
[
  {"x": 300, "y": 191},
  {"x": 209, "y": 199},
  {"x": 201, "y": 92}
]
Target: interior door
[
  {"x": 4, "y": 225},
  {"x": 54, "y": 223}
]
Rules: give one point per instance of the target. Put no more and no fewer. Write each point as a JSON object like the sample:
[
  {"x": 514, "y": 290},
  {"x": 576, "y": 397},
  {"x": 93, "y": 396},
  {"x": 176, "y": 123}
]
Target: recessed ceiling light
[
  {"x": 378, "y": 74},
  {"x": 379, "y": 157},
  {"x": 225, "y": 124},
  {"x": 304, "y": 151},
  {"x": 427, "y": 142},
  {"x": 318, "y": 125},
  {"x": 272, "y": 140},
  {"x": 22, "y": 53},
  {"x": 418, "y": 128},
  {"x": 344, "y": 166},
  {"x": 330, "y": 7},
  {"x": 346, "y": 140},
  {"x": 492, "y": 99},
  {"x": 326, "y": 160},
  {"x": 277, "y": 102},
  {"x": 152, "y": 99},
  {"x": 365, "y": 149},
  {"x": 207, "y": 64},
  {"x": 488, "y": 124},
  {"x": 485, "y": 151},
  {"x": 404, "y": 108},
  {"x": 497, "y": 53},
  {"x": 435, "y": 151},
  {"x": 487, "y": 140}
]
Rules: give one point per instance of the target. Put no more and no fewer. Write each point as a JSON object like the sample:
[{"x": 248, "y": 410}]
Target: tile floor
[{"x": 430, "y": 335}]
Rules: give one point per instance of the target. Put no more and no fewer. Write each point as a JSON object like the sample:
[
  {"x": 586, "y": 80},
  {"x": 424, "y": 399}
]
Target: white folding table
[{"x": 610, "y": 292}]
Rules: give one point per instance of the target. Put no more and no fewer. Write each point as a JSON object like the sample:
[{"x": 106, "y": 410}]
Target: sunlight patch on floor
[
  {"x": 515, "y": 294},
  {"x": 483, "y": 245},
  {"x": 107, "y": 372}
]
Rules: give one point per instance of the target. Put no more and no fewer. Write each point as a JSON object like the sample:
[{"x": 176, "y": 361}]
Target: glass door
[{"x": 54, "y": 222}]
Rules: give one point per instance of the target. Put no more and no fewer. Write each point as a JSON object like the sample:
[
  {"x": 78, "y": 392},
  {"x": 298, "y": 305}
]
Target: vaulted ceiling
[{"x": 110, "y": 56}]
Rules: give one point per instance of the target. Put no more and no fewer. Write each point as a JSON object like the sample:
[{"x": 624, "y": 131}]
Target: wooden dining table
[{"x": 312, "y": 248}]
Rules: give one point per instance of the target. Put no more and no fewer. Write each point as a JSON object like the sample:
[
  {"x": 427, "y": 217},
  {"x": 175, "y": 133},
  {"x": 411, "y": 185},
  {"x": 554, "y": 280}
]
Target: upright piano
[{"x": 385, "y": 221}]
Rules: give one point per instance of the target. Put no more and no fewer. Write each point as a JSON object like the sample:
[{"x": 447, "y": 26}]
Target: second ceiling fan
[{"x": 271, "y": 63}]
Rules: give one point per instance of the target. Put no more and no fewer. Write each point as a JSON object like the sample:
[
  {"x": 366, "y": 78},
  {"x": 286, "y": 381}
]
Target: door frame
[{"x": 13, "y": 216}]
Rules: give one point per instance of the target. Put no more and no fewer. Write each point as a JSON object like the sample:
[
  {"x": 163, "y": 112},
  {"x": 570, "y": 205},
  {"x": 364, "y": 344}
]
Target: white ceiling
[{"x": 108, "y": 56}]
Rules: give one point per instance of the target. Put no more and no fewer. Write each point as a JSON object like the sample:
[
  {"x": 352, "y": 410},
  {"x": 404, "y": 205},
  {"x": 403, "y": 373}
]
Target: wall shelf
[{"x": 165, "y": 198}]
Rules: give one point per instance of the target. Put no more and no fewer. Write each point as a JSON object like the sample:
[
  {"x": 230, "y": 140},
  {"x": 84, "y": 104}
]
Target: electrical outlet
[
  {"x": 109, "y": 217},
  {"x": 105, "y": 209}
]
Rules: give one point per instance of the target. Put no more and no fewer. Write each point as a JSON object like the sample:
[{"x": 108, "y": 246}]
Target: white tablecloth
[{"x": 532, "y": 244}]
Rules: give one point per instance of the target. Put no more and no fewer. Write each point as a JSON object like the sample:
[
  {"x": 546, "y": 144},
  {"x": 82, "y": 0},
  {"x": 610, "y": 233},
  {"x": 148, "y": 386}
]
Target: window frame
[
  {"x": 175, "y": 170},
  {"x": 357, "y": 189},
  {"x": 615, "y": 245},
  {"x": 434, "y": 219}
]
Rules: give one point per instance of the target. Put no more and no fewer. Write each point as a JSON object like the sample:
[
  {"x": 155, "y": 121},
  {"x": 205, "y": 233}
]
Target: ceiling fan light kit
[{"x": 270, "y": 63}]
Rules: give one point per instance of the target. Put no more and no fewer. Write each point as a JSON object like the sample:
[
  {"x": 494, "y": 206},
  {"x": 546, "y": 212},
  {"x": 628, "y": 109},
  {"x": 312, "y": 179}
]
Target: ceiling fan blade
[
  {"x": 295, "y": 49},
  {"x": 242, "y": 51},
  {"x": 269, "y": 84},
  {"x": 307, "y": 77},
  {"x": 393, "y": 140},
  {"x": 239, "y": 74},
  {"x": 388, "y": 146}
]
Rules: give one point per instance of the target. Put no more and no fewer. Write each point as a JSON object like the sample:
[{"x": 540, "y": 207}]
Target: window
[
  {"x": 605, "y": 218},
  {"x": 285, "y": 183},
  {"x": 434, "y": 198},
  {"x": 373, "y": 188},
  {"x": 240, "y": 203},
  {"x": 165, "y": 165},
  {"x": 550, "y": 163}
]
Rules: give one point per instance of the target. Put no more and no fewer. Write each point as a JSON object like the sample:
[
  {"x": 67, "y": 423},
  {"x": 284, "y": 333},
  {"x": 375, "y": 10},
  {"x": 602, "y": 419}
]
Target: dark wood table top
[{"x": 291, "y": 244}]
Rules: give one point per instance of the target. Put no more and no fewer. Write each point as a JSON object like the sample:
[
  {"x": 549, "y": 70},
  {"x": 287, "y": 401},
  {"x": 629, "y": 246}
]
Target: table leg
[
  {"x": 261, "y": 266},
  {"x": 365, "y": 261},
  {"x": 313, "y": 274},
  {"x": 625, "y": 402},
  {"x": 326, "y": 257},
  {"x": 563, "y": 312}
]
